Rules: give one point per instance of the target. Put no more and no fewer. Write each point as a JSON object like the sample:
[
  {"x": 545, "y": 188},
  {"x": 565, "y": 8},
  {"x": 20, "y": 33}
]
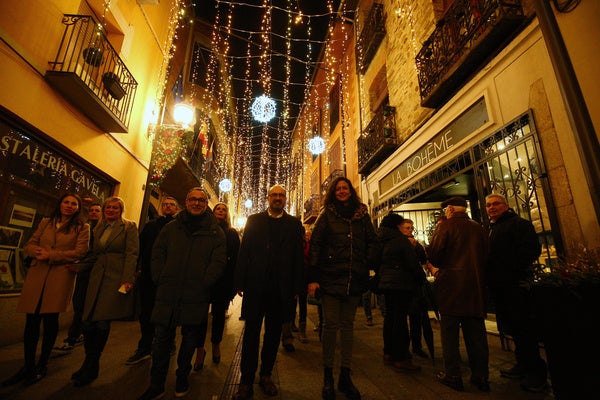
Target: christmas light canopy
[
  {"x": 248, "y": 203},
  {"x": 225, "y": 185},
  {"x": 263, "y": 109},
  {"x": 316, "y": 145}
]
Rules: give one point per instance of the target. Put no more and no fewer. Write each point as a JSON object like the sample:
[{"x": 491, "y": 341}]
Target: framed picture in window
[
  {"x": 10, "y": 237},
  {"x": 22, "y": 216}
]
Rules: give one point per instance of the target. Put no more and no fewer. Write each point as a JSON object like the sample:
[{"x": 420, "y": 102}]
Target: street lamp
[{"x": 183, "y": 114}]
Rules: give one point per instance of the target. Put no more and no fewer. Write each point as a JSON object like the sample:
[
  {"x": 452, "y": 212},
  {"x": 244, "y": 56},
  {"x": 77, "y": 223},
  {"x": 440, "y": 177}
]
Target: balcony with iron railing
[
  {"x": 89, "y": 73},
  {"x": 325, "y": 185},
  {"x": 311, "y": 209},
  {"x": 370, "y": 37},
  {"x": 378, "y": 140},
  {"x": 464, "y": 39}
]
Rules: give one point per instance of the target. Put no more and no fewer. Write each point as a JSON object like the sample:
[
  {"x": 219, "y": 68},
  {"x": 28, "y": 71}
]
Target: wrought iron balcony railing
[
  {"x": 468, "y": 35},
  {"x": 311, "y": 209},
  {"x": 90, "y": 74},
  {"x": 329, "y": 179},
  {"x": 378, "y": 140},
  {"x": 371, "y": 37}
]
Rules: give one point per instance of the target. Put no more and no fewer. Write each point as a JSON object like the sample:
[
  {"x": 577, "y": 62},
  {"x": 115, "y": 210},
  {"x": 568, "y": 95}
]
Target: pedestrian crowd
[{"x": 189, "y": 263}]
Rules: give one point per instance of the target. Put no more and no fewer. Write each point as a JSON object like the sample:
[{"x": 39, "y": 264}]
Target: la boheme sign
[
  {"x": 46, "y": 169},
  {"x": 445, "y": 140}
]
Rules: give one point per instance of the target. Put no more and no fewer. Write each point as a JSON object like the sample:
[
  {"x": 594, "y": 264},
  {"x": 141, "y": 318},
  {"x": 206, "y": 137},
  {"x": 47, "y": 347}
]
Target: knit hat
[{"x": 454, "y": 201}]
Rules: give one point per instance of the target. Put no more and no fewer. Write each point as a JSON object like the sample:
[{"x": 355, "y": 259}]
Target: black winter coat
[
  {"x": 342, "y": 251},
  {"x": 256, "y": 253},
  {"x": 186, "y": 264},
  {"x": 147, "y": 238},
  {"x": 399, "y": 269},
  {"x": 224, "y": 290},
  {"x": 514, "y": 246}
]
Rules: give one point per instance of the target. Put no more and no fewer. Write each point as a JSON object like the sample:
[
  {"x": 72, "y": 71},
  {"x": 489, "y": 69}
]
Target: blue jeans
[{"x": 161, "y": 351}]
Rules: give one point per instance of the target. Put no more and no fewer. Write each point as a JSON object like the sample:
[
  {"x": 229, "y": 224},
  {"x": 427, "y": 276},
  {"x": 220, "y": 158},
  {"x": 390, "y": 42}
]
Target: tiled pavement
[{"x": 298, "y": 374}]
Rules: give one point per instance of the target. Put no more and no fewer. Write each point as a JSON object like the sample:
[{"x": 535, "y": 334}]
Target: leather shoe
[
  {"x": 267, "y": 386},
  {"x": 40, "y": 373},
  {"x": 454, "y": 382},
  {"x": 481, "y": 382},
  {"x": 516, "y": 372},
  {"x": 245, "y": 392}
]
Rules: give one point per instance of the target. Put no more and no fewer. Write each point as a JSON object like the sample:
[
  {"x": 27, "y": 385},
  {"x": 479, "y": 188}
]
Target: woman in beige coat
[
  {"x": 108, "y": 296},
  {"x": 58, "y": 242}
]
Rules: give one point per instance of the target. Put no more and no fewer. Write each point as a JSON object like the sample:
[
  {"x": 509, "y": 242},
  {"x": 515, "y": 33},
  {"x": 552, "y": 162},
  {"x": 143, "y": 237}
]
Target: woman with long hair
[
  {"x": 342, "y": 250},
  {"x": 223, "y": 291},
  {"x": 58, "y": 242},
  {"x": 108, "y": 296}
]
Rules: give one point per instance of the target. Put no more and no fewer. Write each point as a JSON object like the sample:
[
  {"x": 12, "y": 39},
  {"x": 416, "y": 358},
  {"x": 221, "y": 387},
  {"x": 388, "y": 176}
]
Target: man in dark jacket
[
  {"x": 269, "y": 274},
  {"x": 188, "y": 258},
  {"x": 514, "y": 247},
  {"x": 459, "y": 250},
  {"x": 146, "y": 289}
]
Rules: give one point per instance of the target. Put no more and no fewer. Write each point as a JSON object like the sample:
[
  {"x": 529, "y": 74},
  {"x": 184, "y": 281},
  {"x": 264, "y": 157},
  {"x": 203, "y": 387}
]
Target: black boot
[
  {"x": 93, "y": 349},
  {"x": 346, "y": 386},
  {"x": 328, "y": 385}
]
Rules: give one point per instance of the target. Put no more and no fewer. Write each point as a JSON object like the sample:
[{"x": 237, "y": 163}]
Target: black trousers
[
  {"x": 76, "y": 328},
  {"x": 395, "y": 325},
  {"x": 514, "y": 316},
  {"x": 218, "y": 310},
  {"x": 271, "y": 312},
  {"x": 147, "y": 291}
]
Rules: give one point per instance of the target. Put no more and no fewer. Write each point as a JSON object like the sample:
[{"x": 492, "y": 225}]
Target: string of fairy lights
[{"x": 250, "y": 155}]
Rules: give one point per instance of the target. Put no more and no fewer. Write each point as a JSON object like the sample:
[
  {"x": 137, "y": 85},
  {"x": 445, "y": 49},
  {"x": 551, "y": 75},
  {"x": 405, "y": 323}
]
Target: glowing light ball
[
  {"x": 316, "y": 145},
  {"x": 225, "y": 185},
  {"x": 263, "y": 109}
]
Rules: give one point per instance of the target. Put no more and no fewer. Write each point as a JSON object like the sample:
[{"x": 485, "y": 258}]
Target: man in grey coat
[{"x": 188, "y": 258}]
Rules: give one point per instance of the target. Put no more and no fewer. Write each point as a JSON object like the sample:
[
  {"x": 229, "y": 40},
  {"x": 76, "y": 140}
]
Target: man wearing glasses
[
  {"x": 269, "y": 273},
  {"x": 188, "y": 258},
  {"x": 147, "y": 291}
]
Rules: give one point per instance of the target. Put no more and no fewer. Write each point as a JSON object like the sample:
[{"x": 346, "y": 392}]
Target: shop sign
[
  {"x": 45, "y": 168},
  {"x": 469, "y": 121}
]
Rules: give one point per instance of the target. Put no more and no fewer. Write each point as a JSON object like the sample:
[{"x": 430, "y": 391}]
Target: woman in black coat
[
  {"x": 223, "y": 291},
  {"x": 342, "y": 249},
  {"x": 399, "y": 280}
]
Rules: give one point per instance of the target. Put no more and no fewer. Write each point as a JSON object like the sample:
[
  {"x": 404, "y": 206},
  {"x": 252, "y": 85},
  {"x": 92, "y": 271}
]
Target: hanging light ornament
[
  {"x": 263, "y": 109},
  {"x": 225, "y": 185},
  {"x": 316, "y": 145}
]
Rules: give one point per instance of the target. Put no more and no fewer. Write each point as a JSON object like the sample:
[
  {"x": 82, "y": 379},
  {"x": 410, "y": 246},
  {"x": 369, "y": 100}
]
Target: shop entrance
[{"x": 508, "y": 162}]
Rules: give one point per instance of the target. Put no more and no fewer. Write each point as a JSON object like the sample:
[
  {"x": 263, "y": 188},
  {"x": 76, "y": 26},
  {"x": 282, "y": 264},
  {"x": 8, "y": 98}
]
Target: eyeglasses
[
  {"x": 169, "y": 205},
  {"x": 494, "y": 204},
  {"x": 196, "y": 200}
]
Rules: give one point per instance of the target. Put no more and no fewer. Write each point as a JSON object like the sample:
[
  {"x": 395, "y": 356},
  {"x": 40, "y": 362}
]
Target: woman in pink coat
[{"x": 57, "y": 244}]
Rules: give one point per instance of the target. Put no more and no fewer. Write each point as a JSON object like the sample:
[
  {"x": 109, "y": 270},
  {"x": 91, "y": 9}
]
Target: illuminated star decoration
[
  {"x": 225, "y": 185},
  {"x": 263, "y": 109},
  {"x": 316, "y": 145}
]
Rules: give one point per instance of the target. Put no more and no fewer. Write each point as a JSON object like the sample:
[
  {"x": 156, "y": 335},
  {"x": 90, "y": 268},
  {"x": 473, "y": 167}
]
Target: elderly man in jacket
[
  {"x": 188, "y": 257},
  {"x": 459, "y": 250},
  {"x": 514, "y": 247},
  {"x": 269, "y": 274}
]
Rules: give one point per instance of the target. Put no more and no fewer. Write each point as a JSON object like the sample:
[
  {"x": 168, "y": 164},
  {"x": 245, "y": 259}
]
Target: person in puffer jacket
[{"x": 342, "y": 250}]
